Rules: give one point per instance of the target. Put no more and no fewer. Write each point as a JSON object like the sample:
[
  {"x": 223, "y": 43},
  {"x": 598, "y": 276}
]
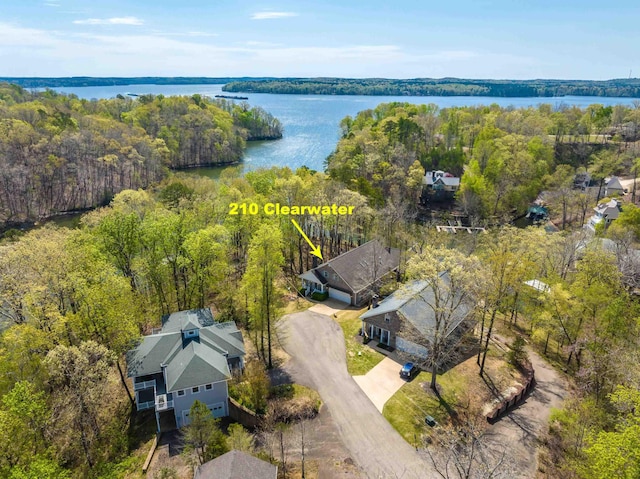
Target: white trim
[{"x": 203, "y": 384}]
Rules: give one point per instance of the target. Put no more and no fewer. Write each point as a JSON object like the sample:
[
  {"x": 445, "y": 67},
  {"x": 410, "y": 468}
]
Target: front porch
[
  {"x": 311, "y": 284},
  {"x": 380, "y": 335}
]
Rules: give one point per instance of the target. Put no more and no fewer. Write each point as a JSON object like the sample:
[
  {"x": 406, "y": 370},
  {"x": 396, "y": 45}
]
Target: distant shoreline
[{"x": 543, "y": 88}]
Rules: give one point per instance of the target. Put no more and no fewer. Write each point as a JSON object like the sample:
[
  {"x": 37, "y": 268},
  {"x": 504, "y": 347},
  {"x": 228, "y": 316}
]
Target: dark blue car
[{"x": 408, "y": 371}]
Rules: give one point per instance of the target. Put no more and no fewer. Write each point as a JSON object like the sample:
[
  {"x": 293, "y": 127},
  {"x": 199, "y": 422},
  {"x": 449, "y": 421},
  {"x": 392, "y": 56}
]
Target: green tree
[
  {"x": 260, "y": 284},
  {"x": 24, "y": 417},
  {"x": 239, "y": 439},
  {"x": 450, "y": 277},
  {"x": 203, "y": 435},
  {"x": 40, "y": 467},
  {"x": 508, "y": 260},
  {"x": 616, "y": 454}
]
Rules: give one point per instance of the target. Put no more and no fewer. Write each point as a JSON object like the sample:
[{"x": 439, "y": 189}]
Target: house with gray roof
[
  {"x": 604, "y": 214},
  {"x": 405, "y": 321},
  {"x": 191, "y": 357},
  {"x": 613, "y": 187},
  {"x": 236, "y": 465},
  {"x": 352, "y": 277},
  {"x": 439, "y": 185}
]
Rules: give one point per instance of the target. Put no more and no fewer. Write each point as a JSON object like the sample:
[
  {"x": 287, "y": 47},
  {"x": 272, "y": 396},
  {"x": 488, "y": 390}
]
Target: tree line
[
  {"x": 61, "y": 153},
  {"x": 438, "y": 87}
]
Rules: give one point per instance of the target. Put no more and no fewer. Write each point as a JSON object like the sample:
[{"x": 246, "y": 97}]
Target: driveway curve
[{"x": 316, "y": 345}]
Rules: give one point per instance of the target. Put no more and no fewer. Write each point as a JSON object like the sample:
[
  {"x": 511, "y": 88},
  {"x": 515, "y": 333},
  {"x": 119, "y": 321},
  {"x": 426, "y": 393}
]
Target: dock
[{"x": 455, "y": 229}]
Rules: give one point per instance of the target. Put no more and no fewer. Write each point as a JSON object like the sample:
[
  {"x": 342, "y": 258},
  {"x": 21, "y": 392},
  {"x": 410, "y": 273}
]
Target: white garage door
[
  {"x": 340, "y": 296},
  {"x": 217, "y": 409}
]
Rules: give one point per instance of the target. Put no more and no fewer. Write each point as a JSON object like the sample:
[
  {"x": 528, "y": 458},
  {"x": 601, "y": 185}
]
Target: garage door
[
  {"x": 217, "y": 410},
  {"x": 340, "y": 296}
]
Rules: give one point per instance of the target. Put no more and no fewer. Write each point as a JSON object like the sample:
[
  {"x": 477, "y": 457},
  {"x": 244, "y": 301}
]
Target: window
[
  {"x": 195, "y": 390},
  {"x": 181, "y": 392},
  {"x": 387, "y": 318},
  {"x": 208, "y": 387},
  {"x": 326, "y": 274}
]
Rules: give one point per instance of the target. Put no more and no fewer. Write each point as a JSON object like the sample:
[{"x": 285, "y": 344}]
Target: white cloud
[
  {"x": 35, "y": 52},
  {"x": 251, "y": 43},
  {"x": 51, "y": 4},
  {"x": 110, "y": 21},
  {"x": 201, "y": 34},
  {"x": 272, "y": 15}
]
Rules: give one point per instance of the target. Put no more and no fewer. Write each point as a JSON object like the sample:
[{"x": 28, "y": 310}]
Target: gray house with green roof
[{"x": 190, "y": 358}]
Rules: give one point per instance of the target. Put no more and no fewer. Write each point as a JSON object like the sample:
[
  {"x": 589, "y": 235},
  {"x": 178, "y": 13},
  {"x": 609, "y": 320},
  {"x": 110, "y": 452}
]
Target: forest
[
  {"x": 60, "y": 153},
  {"x": 51, "y": 82},
  {"x": 505, "y": 156},
  {"x": 438, "y": 87},
  {"x": 75, "y": 300}
]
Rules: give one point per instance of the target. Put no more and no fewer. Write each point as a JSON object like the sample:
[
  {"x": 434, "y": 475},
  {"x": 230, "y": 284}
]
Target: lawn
[
  {"x": 360, "y": 358},
  {"x": 460, "y": 387},
  {"x": 407, "y": 409}
]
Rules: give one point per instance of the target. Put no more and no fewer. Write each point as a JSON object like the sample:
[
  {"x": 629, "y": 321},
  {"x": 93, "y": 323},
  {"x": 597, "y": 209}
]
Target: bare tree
[{"x": 465, "y": 452}]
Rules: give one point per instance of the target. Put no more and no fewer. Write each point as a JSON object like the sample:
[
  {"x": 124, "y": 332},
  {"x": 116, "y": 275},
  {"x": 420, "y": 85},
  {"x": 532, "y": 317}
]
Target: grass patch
[
  {"x": 291, "y": 391},
  {"x": 360, "y": 358},
  {"x": 407, "y": 409},
  {"x": 295, "y": 304}
]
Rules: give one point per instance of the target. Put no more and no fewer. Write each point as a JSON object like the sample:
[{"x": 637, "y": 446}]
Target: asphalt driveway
[
  {"x": 382, "y": 382},
  {"x": 316, "y": 345}
]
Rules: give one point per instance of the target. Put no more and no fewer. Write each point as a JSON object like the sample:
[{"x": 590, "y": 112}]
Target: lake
[{"x": 311, "y": 122}]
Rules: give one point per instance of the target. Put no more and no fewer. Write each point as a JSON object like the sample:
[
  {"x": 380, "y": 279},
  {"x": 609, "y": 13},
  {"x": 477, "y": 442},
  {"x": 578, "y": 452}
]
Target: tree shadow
[
  {"x": 490, "y": 385},
  {"x": 453, "y": 414}
]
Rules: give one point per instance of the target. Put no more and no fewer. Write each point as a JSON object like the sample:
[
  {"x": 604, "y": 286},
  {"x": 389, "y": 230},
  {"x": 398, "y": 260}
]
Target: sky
[{"x": 514, "y": 39}]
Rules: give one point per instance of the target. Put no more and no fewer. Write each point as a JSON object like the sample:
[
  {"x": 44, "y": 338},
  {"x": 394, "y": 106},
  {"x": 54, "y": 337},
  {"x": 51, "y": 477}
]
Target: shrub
[
  {"x": 292, "y": 402},
  {"x": 252, "y": 387},
  {"x": 319, "y": 296},
  {"x": 518, "y": 355}
]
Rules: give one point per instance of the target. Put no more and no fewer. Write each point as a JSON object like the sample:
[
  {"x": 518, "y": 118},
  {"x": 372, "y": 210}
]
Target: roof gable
[
  {"x": 412, "y": 303},
  {"x": 360, "y": 267},
  {"x": 189, "y": 361},
  {"x": 185, "y": 320},
  {"x": 613, "y": 183},
  {"x": 194, "y": 365}
]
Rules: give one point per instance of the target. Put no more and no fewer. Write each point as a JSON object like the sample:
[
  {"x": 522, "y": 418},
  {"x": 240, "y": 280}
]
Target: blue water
[{"x": 311, "y": 122}]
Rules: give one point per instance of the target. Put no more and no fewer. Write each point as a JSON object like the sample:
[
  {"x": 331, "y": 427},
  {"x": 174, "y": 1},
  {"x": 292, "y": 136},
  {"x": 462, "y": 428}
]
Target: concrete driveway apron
[{"x": 382, "y": 382}]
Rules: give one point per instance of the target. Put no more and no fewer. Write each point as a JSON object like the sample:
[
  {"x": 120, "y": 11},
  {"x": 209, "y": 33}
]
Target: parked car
[
  {"x": 430, "y": 421},
  {"x": 408, "y": 371}
]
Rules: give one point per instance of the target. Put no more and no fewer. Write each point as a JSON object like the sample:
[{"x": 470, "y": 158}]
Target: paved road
[
  {"x": 316, "y": 345},
  {"x": 518, "y": 432}
]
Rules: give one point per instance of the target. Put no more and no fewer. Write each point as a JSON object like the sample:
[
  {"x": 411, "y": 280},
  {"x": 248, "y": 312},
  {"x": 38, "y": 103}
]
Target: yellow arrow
[{"x": 315, "y": 250}]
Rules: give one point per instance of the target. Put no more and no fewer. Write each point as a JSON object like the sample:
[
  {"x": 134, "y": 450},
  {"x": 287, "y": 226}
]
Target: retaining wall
[{"x": 515, "y": 398}]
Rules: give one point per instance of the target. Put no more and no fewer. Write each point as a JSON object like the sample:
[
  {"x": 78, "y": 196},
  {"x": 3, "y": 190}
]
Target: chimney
[{"x": 374, "y": 301}]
